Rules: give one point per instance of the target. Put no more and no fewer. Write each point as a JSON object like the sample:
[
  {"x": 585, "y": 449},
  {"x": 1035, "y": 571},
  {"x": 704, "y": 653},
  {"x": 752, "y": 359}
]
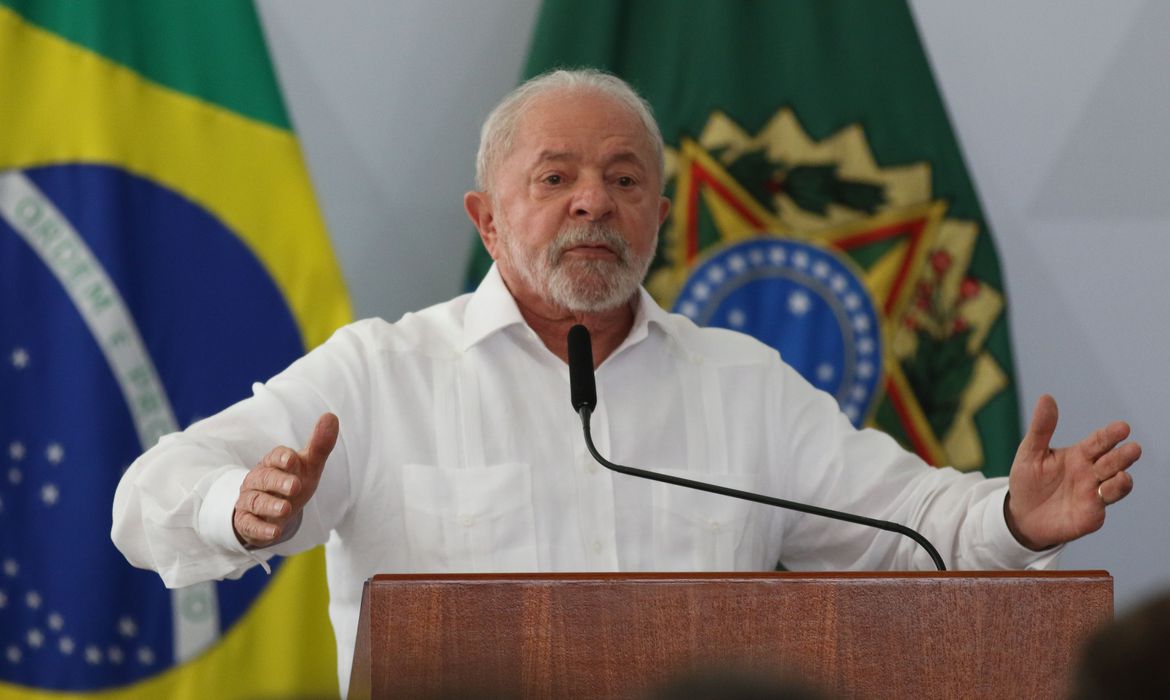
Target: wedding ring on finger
[{"x": 1101, "y": 495}]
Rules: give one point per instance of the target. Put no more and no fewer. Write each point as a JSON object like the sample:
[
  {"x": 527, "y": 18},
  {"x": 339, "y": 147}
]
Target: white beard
[{"x": 579, "y": 286}]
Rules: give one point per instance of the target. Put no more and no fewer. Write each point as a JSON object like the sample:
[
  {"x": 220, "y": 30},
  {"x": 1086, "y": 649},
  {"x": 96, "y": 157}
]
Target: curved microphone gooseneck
[{"x": 583, "y": 394}]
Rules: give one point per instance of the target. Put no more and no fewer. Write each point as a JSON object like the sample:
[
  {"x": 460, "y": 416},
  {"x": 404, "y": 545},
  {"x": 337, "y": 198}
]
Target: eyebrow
[
  {"x": 554, "y": 156},
  {"x": 624, "y": 156}
]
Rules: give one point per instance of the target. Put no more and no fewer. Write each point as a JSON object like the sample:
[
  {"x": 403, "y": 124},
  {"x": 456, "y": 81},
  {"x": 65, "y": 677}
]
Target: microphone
[
  {"x": 583, "y": 393},
  {"x": 582, "y": 387}
]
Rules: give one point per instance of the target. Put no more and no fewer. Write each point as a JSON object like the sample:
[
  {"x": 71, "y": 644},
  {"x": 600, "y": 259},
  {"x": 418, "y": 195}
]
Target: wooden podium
[{"x": 901, "y": 635}]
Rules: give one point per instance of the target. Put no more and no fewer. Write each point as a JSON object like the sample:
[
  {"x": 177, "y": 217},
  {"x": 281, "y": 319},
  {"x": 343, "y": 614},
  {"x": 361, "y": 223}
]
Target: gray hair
[{"x": 499, "y": 129}]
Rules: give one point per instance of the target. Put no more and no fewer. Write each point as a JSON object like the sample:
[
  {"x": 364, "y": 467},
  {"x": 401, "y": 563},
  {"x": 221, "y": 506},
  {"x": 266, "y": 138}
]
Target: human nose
[{"x": 591, "y": 200}]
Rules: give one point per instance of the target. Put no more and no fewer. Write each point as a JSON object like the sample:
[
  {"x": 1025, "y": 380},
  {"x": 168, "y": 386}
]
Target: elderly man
[{"x": 446, "y": 441}]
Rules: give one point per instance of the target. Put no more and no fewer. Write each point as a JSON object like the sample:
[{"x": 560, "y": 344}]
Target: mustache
[{"x": 575, "y": 235}]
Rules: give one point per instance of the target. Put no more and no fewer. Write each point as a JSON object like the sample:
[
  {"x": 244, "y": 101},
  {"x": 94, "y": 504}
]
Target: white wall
[{"x": 1061, "y": 108}]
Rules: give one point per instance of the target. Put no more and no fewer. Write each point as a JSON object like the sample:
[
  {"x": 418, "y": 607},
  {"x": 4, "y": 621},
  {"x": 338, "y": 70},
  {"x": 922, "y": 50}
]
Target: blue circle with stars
[
  {"x": 801, "y": 299},
  {"x": 74, "y": 615}
]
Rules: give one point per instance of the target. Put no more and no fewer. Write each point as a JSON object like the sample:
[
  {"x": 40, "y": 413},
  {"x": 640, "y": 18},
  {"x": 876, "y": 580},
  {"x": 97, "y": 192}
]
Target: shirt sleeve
[
  {"x": 173, "y": 507},
  {"x": 827, "y": 461}
]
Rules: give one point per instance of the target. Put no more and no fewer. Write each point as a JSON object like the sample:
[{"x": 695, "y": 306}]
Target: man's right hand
[{"x": 275, "y": 492}]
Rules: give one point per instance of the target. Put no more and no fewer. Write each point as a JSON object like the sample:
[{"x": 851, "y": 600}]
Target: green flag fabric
[
  {"x": 160, "y": 251},
  {"x": 820, "y": 203}
]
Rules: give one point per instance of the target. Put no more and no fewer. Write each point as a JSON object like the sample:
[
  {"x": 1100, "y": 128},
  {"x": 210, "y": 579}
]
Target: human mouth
[
  {"x": 593, "y": 251},
  {"x": 589, "y": 244}
]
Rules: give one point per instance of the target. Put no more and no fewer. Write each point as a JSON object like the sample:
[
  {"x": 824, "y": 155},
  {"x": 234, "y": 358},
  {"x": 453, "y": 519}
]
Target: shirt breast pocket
[
  {"x": 699, "y": 531},
  {"x": 474, "y": 520}
]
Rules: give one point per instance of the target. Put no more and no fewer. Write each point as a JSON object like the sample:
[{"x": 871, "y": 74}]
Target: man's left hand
[{"x": 1058, "y": 495}]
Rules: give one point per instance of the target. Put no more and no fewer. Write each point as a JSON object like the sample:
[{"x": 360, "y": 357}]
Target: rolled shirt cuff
[
  {"x": 1002, "y": 547},
  {"x": 215, "y": 513}
]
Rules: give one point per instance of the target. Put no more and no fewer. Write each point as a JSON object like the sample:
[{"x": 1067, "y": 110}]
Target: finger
[
  {"x": 253, "y": 530},
  {"x": 1105, "y": 439},
  {"x": 279, "y": 458},
  {"x": 265, "y": 506},
  {"x": 1036, "y": 442},
  {"x": 1115, "y": 488},
  {"x": 1117, "y": 460},
  {"x": 274, "y": 480},
  {"x": 322, "y": 442}
]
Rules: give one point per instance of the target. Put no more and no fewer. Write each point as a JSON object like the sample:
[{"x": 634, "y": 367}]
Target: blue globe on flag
[{"x": 73, "y": 614}]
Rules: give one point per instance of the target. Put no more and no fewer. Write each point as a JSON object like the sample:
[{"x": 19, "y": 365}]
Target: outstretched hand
[
  {"x": 1058, "y": 495},
  {"x": 275, "y": 492}
]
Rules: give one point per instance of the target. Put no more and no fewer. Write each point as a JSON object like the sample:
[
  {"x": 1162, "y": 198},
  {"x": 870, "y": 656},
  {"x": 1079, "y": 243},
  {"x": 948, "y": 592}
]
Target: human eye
[
  {"x": 552, "y": 179},
  {"x": 625, "y": 181}
]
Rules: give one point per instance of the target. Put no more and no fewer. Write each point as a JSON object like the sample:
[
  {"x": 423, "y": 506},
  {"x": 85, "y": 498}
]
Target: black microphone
[{"x": 583, "y": 390}]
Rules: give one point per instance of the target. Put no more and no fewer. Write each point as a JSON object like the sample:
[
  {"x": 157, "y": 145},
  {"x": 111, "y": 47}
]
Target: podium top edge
[{"x": 787, "y": 576}]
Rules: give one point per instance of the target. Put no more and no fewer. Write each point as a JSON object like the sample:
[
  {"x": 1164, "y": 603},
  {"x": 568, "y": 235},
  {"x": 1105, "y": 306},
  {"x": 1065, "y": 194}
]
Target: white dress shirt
[{"x": 460, "y": 452}]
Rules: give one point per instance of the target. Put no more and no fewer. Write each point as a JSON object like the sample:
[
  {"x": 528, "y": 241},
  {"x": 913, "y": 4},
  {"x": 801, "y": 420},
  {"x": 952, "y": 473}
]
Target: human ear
[
  {"x": 663, "y": 209},
  {"x": 479, "y": 209}
]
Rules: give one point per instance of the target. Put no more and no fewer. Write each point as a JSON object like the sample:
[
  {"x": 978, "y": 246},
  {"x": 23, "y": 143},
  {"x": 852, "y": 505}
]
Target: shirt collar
[
  {"x": 646, "y": 313},
  {"x": 492, "y": 308}
]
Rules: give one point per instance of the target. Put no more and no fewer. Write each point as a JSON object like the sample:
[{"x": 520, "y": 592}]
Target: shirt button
[
  {"x": 714, "y": 525},
  {"x": 591, "y": 467},
  {"x": 596, "y": 547},
  {"x": 467, "y": 520}
]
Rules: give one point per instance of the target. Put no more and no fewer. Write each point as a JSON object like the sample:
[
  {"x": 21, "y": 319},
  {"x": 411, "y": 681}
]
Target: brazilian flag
[
  {"x": 820, "y": 203},
  {"x": 160, "y": 250}
]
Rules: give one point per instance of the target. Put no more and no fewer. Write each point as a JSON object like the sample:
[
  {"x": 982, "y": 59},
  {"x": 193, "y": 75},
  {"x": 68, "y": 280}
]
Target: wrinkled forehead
[{"x": 573, "y": 123}]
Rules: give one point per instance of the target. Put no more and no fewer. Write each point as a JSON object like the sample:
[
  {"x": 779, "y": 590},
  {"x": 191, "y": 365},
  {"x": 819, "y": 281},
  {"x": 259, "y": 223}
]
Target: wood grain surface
[{"x": 901, "y": 635}]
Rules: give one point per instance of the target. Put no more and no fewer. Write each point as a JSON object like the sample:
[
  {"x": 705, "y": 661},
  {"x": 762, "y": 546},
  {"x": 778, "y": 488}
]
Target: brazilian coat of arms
[{"x": 853, "y": 271}]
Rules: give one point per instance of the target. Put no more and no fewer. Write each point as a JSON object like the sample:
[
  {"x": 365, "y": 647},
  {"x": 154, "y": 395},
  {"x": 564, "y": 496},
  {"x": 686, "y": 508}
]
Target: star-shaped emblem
[{"x": 883, "y": 220}]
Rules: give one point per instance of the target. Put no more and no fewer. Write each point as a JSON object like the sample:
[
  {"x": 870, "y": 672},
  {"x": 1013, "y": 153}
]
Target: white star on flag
[
  {"x": 126, "y": 627},
  {"x": 49, "y": 494},
  {"x": 19, "y": 358},
  {"x": 54, "y": 453}
]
